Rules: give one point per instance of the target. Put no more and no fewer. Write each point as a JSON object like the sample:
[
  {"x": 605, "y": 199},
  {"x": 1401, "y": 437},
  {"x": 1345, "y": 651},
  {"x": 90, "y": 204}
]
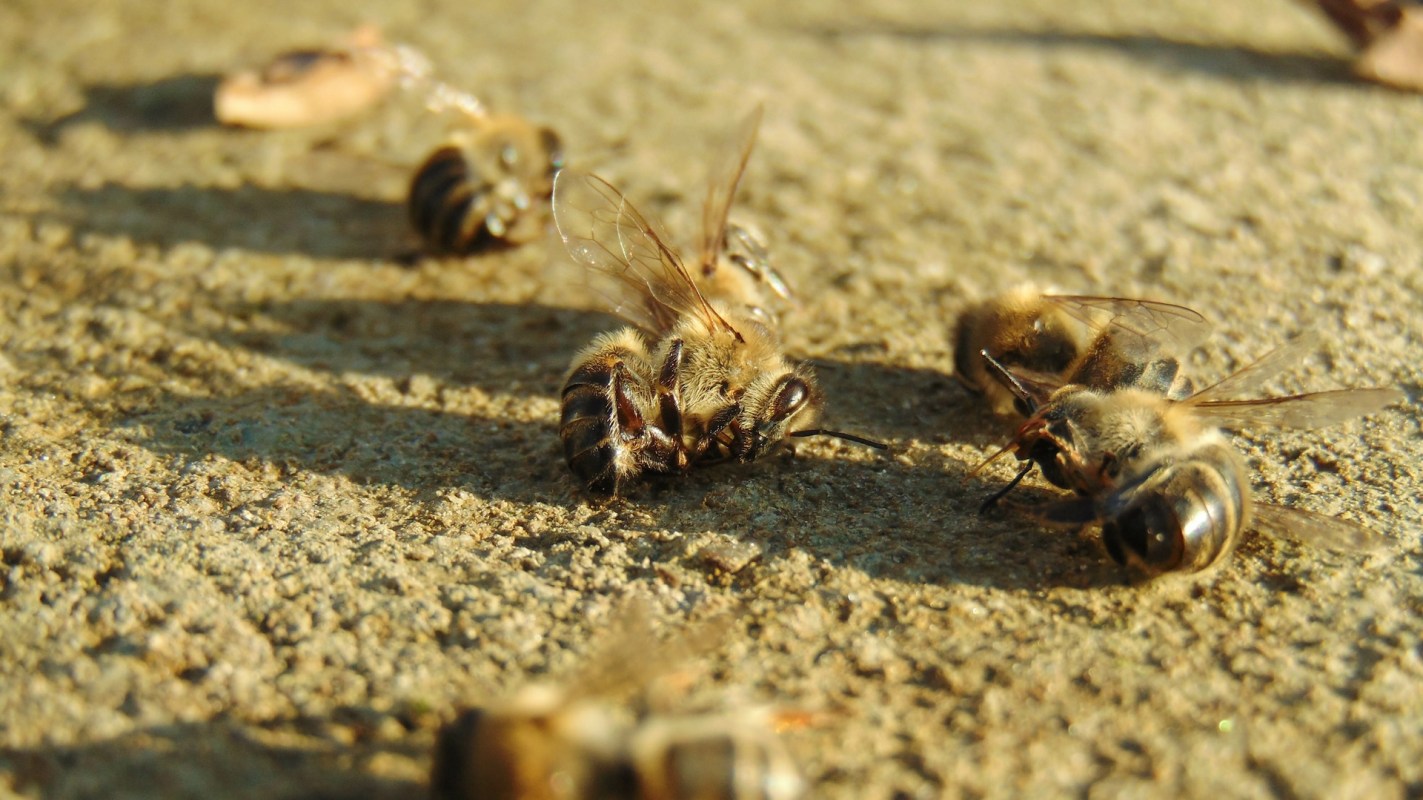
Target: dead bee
[
  {"x": 1096, "y": 341},
  {"x": 308, "y": 87},
  {"x": 545, "y": 744},
  {"x": 701, "y": 378},
  {"x": 485, "y": 186},
  {"x": 1169, "y": 490},
  {"x": 542, "y": 743},
  {"x": 716, "y": 756},
  {"x": 575, "y": 742},
  {"x": 1388, "y": 36}
]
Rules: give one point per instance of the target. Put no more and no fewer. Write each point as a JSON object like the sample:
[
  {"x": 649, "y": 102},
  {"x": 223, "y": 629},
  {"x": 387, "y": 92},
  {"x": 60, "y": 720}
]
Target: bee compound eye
[{"x": 793, "y": 395}]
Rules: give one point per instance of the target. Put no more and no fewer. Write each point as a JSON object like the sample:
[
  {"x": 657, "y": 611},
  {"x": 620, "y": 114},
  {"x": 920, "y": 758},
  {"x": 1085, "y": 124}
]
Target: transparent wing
[
  {"x": 1253, "y": 377},
  {"x": 628, "y": 261},
  {"x": 1140, "y": 328},
  {"x": 631, "y": 658},
  {"x": 1318, "y": 530},
  {"x": 722, "y": 181},
  {"x": 1302, "y": 411}
]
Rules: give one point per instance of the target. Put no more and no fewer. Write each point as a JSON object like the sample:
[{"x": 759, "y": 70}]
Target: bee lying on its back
[{"x": 701, "y": 378}]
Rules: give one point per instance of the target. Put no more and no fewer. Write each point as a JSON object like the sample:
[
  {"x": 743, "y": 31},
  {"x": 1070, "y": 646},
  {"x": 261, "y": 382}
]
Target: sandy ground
[{"x": 278, "y": 498}]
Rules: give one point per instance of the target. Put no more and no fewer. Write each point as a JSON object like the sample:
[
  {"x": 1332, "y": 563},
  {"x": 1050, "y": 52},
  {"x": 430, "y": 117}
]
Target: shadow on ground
[
  {"x": 897, "y": 403},
  {"x": 419, "y": 449},
  {"x": 498, "y": 348},
  {"x": 176, "y": 103},
  {"x": 333, "y": 224},
  {"x": 865, "y": 514},
  {"x": 188, "y": 760},
  {"x": 427, "y": 396},
  {"x": 1229, "y": 62}
]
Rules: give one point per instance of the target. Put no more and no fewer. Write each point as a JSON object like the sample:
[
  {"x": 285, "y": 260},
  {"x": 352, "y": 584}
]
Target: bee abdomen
[
  {"x": 448, "y": 204},
  {"x": 1187, "y": 516},
  {"x": 1162, "y": 376},
  {"x": 724, "y": 767},
  {"x": 451, "y": 775},
  {"x": 587, "y": 425},
  {"x": 701, "y": 768}
]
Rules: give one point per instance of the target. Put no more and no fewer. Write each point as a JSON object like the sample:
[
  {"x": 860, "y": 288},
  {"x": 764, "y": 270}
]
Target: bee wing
[
  {"x": 1141, "y": 327},
  {"x": 1313, "y": 410},
  {"x": 1252, "y": 378},
  {"x": 642, "y": 279},
  {"x": 632, "y": 659},
  {"x": 722, "y": 181},
  {"x": 1319, "y": 530}
]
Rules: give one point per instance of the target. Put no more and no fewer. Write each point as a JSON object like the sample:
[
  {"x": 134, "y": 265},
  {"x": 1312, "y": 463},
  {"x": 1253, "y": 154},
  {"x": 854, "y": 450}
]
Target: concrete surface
[{"x": 277, "y": 498}]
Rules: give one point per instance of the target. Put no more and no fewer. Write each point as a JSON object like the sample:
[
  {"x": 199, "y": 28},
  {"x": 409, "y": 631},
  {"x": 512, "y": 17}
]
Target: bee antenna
[
  {"x": 999, "y": 495},
  {"x": 1004, "y": 449},
  {"x": 849, "y": 437},
  {"x": 1012, "y": 383}
]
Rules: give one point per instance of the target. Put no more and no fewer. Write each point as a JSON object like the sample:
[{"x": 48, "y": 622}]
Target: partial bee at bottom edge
[
  {"x": 546, "y": 745},
  {"x": 585, "y": 739}
]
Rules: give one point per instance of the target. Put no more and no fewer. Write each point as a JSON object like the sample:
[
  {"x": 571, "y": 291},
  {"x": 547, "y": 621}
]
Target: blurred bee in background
[
  {"x": 700, "y": 378},
  {"x": 1104, "y": 342},
  {"x": 577, "y": 742},
  {"x": 311, "y": 86},
  {"x": 1159, "y": 475},
  {"x": 1386, "y": 34},
  {"x": 486, "y": 185}
]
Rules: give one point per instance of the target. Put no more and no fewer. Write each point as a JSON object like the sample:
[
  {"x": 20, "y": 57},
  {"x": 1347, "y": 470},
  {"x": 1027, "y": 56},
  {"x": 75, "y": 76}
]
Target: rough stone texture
[{"x": 275, "y": 499}]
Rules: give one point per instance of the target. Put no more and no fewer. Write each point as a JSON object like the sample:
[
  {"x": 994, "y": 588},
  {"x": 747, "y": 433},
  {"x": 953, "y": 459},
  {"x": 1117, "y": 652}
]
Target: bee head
[
  {"x": 1049, "y": 438},
  {"x": 769, "y": 416}
]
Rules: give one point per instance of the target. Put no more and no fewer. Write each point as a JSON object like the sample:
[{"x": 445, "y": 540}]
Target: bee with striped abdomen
[
  {"x": 577, "y": 741},
  {"x": 1104, "y": 342},
  {"x": 485, "y": 186},
  {"x": 701, "y": 377}
]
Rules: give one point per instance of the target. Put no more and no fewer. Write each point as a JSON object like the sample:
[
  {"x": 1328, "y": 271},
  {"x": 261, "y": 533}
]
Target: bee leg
[
  {"x": 630, "y": 422},
  {"x": 669, "y": 403},
  {"x": 746, "y": 250},
  {"x": 719, "y": 422},
  {"x": 667, "y": 398},
  {"x": 992, "y": 501},
  {"x": 723, "y": 418},
  {"x": 659, "y": 451},
  {"x": 1110, "y": 467}
]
